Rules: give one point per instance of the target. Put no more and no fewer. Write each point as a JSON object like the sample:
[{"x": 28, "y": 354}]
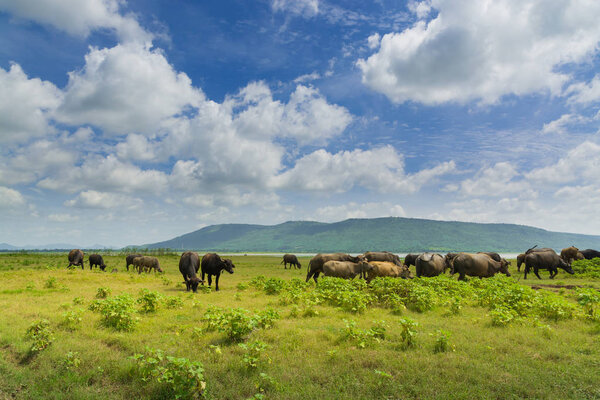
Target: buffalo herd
[{"x": 368, "y": 266}]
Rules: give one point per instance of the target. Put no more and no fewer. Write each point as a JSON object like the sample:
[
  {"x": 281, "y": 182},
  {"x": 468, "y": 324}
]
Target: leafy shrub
[
  {"x": 41, "y": 334},
  {"x": 173, "y": 302},
  {"x": 237, "y": 323},
  {"x": 51, "y": 283},
  {"x": 78, "y": 300},
  {"x": 242, "y": 286},
  {"x": 266, "y": 318},
  {"x": 258, "y": 282},
  {"x": 72, "y": 320},
  {"x": 71, "y": 360},
  {"x": 502, "y": 316},
  {"x": 421, "y": 298},
  {"x": 554, "y": 307},
  {"x": 254, "y": 351},
  {"x": 117, "y": 312},
  {"x": 454, "y": 305},
  {"x": 587, "y": 268},
  {"x": 274, "y": 286},
  {"x": 149, "y": 300},
  {"x": 184, "y": 378},
  {"x": 364, "y": 337},
  {"x": 408, "y": 334},
  {"x": 442, "y": 342},
  {"x": 103, "y": 292},
  {"x": 589, "y": 299}
]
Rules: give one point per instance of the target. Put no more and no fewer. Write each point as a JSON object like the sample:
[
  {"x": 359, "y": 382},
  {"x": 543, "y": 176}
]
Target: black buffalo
[
  {"x": 75, "y": 258},
  {"x": 96, "y": 260},
  {"x": 545, "y": 260},
  {"x": 590, "y": 253},
  {"x": 129, "y": 260},
  {"x": 189, "y": 263},
  {"x": 292, "y": 260},
  {"x": 212, "y": 264},
  {"x": 411, "y": 259}
]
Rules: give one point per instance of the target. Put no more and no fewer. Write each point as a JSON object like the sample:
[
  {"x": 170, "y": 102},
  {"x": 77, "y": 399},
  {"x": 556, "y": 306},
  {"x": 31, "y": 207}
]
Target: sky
[{"x": 131, "y": 122}]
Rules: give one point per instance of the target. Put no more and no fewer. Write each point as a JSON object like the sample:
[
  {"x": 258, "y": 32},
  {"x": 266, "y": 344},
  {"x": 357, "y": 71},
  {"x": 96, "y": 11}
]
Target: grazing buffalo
[
  {"x": 384, "y": 268},
  {"x": 492, "y": 255},
  {"x": 129, "y": 259},
  {"x": 588, "y": 254},
  {"x": 292, "y": 260},
  {"x": 75, "y": 258},
  {"x": 520, "y": 260},
  {"x": 345, "y": 269},
  {"x": 535, "y": 249},
  {"x": 571, "y": 253},
  {"x": 384, "y": 256},
  {"x": 545, "y": 260},
  {"x": 429, "y": 265},
  {"x": 96, "y": 260},
  {"x": 146, "y": 264},
  {"x": 189, "y": 263},
  {"x": 480, "y": 264},
  {"x": 315, "y": 265},
  {"x": 411, "y": 259},
  {"x": 212, "y": 264}
]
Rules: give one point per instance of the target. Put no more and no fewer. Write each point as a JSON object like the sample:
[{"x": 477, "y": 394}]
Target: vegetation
[{"x": 268, "y": 334}]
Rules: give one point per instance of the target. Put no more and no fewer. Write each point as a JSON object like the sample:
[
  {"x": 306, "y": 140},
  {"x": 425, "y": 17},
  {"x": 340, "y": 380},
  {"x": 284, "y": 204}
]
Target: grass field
[{"x": 546, "y": 345}]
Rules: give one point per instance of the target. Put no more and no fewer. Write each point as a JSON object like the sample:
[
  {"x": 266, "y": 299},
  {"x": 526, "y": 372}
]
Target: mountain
[
  {"x": 358, "y": 235},
  {"x": 6, "y": 246}
]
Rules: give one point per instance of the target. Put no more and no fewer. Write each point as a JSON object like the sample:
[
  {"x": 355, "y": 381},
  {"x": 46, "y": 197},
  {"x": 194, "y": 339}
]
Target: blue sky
[{"x": 129, "y": 122}]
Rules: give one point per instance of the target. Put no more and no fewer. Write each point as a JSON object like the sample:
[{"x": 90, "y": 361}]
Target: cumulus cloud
[
  {"x": 560, "y": 125},
  {"x": 356, "y": 210},
  {"x": 10, "y": 198},
  {"x": 103, "y": 200},
  {"x": 499, "y": 180},
  {"x": 306, "y": 8},
  {"x": 581, "y": 164},
  {"x": 79, "y": 17},
  {"x": 380, "y": 169},
  {"x": 483, "y": 50},
  {"x": 127, "y": 88},
  {"x": 584, "y": 93},
  {"x": 24, "y": 105}
]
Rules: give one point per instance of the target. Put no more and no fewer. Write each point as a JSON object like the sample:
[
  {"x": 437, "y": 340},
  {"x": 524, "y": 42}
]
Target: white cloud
[
  {"x": 496, "y": 181},
  {"x": 380, "y": 169},
  {"x": 581, "y": 164},
  {"x": 63, "y": 218},
  {"x": 373, "y": 41},
  {"x": 125, "y": 89},
  {"x": 136, "y": 148},
  {"x": 313, "y": 76},
  {"x": 306, "y": 8},
  {"x": 355, "y": 210},
  {"x": 24, "y": 105},
  {"x": 10, "y": 198},
  {"x": 103, "y": 200},
  {"x": 559, "y": 125},
  {"x": 585, "y": 93},
  {"x": 483, "y": 50},
  {"x": 79, "y": 17}
]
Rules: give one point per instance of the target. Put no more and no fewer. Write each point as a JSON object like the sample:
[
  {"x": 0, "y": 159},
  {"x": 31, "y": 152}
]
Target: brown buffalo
[
  {"x": 315, "y": 265},
  {"x": 429, "y": 265},
  {"x": 189, "y": 263},
  {"x": 545, "y": 260},
  {"x": 292, "y": 260},
  {"x": 571, "y": 253},
  {"x": 384, "y": 268},
  {"x": 75, "y": 258},
  {"x": 345, "y": 269},
  {"x": 146, "y": 264},
  {"x": 480, "y": 264}
]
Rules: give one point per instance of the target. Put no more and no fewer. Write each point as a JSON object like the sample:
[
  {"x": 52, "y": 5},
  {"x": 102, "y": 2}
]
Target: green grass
[{"x": 305, "y": 356}]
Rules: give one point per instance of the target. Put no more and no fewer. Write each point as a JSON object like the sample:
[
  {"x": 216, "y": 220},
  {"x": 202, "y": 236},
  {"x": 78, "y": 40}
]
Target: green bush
[
  {"x": 103, "y": 292},
  {"x": 237, "y": 323},
  {"x": 589, "y": 299},
  {"x": 149, "y": 301},
  {"x": 364, "y": 337},
  {"x": 41, "y": 334},
  {"x": 253, "y": 354},
  {"x": 442, "y": 343},
  {"x": 72, "y": 320},
  {"x": 51, "y": 283},
  {"x": 183, "y": 378},
  {"x": 117, "y": 312},
  {"x": 274, "y": 286},
  {"x": 71, "y": 360},
  {"x": 502, "y": 316},
  {"x": 408, "y": 333},
  {"x": 173, "y": 302}
]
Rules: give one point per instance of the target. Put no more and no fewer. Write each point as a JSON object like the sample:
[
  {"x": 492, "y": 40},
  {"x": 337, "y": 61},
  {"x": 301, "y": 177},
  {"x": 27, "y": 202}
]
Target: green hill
[{"x": 359, "y": 235}]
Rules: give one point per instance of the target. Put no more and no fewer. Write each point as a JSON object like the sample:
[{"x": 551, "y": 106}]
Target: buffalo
[
  {"x": 545, "y": 260},
  {"x": 429, "y": 265},
  {"x": 571, "y": 253},
  {"x": 480, "y": 264},
  {"x": 520, "y": 260},
  {"x": 96, "y": 260},
  {"x": 75, "y": 258},
  {"x": 411, "y": 259},
  {"x": 189, "y": 263},
  {"x": 588, "y": 254},
  {"x": 383, "y": 256},
  {"x": 292, "y": 260},
  {"x": 346, "y": 269},
  {"x": 129, "y": 259},
  {"x": 146, "y": 264},
  {"x": 315, "y": 265},
  {"x": 212, "y": 264},
  {"x": 385, "y": 268}
]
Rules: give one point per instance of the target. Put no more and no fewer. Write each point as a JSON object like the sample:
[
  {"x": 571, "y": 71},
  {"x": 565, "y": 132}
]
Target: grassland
[{"x": 311, "y": 353}]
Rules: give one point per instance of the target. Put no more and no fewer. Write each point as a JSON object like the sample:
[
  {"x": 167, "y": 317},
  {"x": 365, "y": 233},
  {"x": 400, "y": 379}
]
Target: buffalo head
[
  {"x": 228, "y": 265},
  {"x": 193, "y": 283},
  {"x": 564, "y": 265}
]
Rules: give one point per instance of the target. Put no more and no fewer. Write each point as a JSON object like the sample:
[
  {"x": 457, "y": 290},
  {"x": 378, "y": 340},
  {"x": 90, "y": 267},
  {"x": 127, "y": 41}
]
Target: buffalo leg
[
  {"x": 535, "y": 271},
  {"x": 217, "y": 282},
  {"x": 209, "y": 279},
  {"x": 461, "y": 276}
]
